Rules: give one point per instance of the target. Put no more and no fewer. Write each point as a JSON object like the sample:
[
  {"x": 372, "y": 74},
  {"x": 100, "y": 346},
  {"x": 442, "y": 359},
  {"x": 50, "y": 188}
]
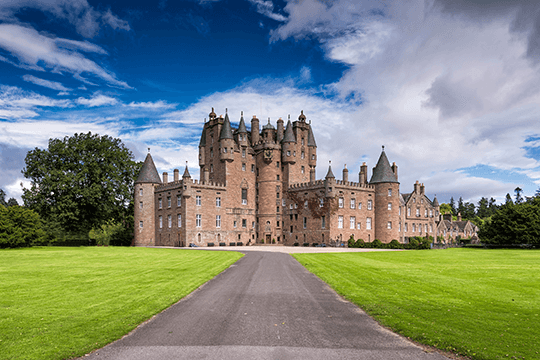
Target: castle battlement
[{"x": 194, "y": 182}]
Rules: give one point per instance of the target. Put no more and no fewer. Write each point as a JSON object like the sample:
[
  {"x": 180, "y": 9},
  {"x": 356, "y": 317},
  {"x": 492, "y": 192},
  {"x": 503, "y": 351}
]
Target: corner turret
[
  {"x": 241, "y": 132},
  {"x": 330, "y": 182},
  {"x": 144, "y": 203},
  {"x": 288, "y": 145},
  {"x": 226, "y": 141}
]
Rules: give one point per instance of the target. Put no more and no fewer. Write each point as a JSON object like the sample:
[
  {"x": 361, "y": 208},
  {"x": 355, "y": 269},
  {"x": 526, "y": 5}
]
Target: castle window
[
  {"x": 169, "y": 221},
  {"x": 178, "y": 200},
  {"x": 244, "y": 223},
  {"x": 340, "y": 200},
  {"x": 198, "y": 200},
  {"x": 359, "y": 225},
  {"x": 140, "y": 205},
  {"x": 425, "y": 212},
  {"x": 425, "y": 227},
  {"x": 302, "y": 155},
  {"x": 198, "y": 220},
  {"x": 305, "y": 204},
  {"x": 234, "y": 224},
  {"x": 406, "y": 227},
  {"x": 179, "y": 220},
  {"x": 159, "y": 203},
  {"x": 352, "y": 221},
  {"x": 160, "y": 221},
  {"x": 353, "y": 203},
  {"x": 283, "y": 202},
  {"x": 413, "y": 228},
  {"x": 140, "y": 224},
  {"x": 218, "y": 202},
  {"x": 408, "y": 211},
  {"x": 277, "y": 164},
  {"x": 400, "y": 210},
  {"x": 323, "y": 222},
  {"x": 389, "y": 225},
  {"x": 421, "y": 201},
  {"x": 430, "y": 212},
  {"x": 302, "y": 141},
  {"x": 370, "y": 204},
  {"x": 417, "y": 211},
  {"x": 305, "y": 222},
  {"x": 243, "y": 167},
  {"x": 368, "y": 223},
  {"x": 168, "y": 201},
  {"x": 294, "y": 153},
  {"x": 321, "y": 202},
  {"x": 389, "y": 192},
  {"x": 340, "y": 222},
  {"x": 211, "y": 152},
  {"x": 399, "y": 227},
  {"x": 277, "y": 223},
  {"x": 225, "y": 150},
  {"x": 277, "y": 177},
  {"x": 303, "y": 170},
  {"x": 244, "y": 196},
  {"x": 288, "y": 153},
  {"x": 296, "y": 206},
  {"x": 290, "y": 206},
  {"x": 277, "y": 195},
  {"x": 140, "y": 192},
  {"x": 253, "y": 224},
  {"x": 312, "y": 157},
  {"x": 359, "y": 206},
  {"x": 389, "y": 206},
  {"x": 252, "y": 168},
  {"x": 244, "y": 153},
  {"x": 211, "y": 168},
  {"x": 291, "y": 217},
  {"x": 414, "y": 200}
]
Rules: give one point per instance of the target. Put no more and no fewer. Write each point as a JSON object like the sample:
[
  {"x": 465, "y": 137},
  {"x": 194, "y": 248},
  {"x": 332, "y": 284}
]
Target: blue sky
[{"x": 450, "y": 87}]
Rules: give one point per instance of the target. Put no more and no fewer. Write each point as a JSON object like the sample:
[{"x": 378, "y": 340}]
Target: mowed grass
[
  {"x": 484, "y": 304},
  {"x": 58, "y": 303}
]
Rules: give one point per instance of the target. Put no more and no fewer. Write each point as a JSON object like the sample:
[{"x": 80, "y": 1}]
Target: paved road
[{"x": 266, "y": 306}]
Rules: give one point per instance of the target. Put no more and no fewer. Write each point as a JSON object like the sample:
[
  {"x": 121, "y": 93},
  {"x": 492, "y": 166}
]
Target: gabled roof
[
  {"x": 406, "y": 197},
  {"x": 382, "y": 173},
  {"x": 148, "y": 172},
  {"x": 289, "y": 135},
  {"x": 226, "y": 131},
  {"x": 311, "y": 138}
]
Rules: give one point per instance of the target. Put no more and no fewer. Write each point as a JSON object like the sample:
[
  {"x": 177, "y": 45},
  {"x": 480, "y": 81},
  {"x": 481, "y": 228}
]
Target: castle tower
[
  {"x": 202, "y": 148},
  {"x": 279, "y": 130},
  {"x": 241, "y": 133},
  {"x": 386, "y": 200},
  {"x": 330, "y": 183},
  {"x": 312, "y": 153},
  {"x": 254, "y": 131},
  {"x": 226, "y": 141},
  {"x": 144, "y": 215}
]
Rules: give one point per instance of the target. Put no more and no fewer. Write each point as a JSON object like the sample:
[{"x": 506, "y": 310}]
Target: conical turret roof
[
  {"x": 148, "y": 172},
  {"x": 435, "y": 201},
  {"x": 311, "y": 138},
  {"x": 203, "y": 137},
  {"x": 242, "y": 125},
  {"x": 226, "y": 131},
  {"x": 382, "y": 173},
  {"x": 186, "y": 173},
  {"x": 330, "y": 174},
  {"x": 289, "y": 135}
]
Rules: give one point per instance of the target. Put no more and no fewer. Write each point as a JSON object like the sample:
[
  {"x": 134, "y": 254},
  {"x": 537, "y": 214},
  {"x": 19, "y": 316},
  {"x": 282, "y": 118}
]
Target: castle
[{"x": 260, "y": 187}]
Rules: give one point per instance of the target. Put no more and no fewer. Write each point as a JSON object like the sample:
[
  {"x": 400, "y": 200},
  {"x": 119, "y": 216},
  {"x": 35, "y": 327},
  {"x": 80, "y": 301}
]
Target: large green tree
[{"x": 81, "y": 181}]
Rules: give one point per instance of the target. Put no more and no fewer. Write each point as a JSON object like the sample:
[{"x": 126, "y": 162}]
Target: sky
[{"x": 451, "y": 88}]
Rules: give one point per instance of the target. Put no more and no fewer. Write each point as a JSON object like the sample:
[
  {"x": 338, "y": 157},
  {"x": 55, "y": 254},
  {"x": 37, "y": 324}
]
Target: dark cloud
[
  {"x": 525, "y": 15},
  {"x": 452, "y": 98}
]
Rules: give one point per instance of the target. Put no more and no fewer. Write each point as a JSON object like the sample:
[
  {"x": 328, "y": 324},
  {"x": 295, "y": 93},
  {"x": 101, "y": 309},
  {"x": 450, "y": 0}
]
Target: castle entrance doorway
[{"x": 268, "y": 239}]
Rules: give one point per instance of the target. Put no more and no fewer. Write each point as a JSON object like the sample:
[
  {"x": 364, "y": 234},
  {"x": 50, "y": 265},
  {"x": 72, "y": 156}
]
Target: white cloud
[
  {"x": 19, "y": 104},
  {"x": 79, "y": 13},
  {"x": 97, "y": 100},
  {"x": 46, "y": 83},
  {"x": 266, "y": 8},
  {"x": 32, "y": 48},
  {"x": 152, "y": 105}
]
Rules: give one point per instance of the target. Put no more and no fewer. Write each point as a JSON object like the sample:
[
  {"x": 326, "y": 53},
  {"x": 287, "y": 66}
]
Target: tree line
[{"x": 81, "y": 190}]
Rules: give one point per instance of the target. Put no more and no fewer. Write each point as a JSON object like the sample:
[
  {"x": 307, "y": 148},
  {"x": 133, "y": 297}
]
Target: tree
[
  {"x": 12, "y": 202},
  {"x": 20, "y": 227},
  {"x": 508, "y": 200},
  {"x": 493, "y": 207},
  {"x": 3, "y": 198},
  {"x": 453, "y": 206},
  {"x": 460, "y": 207},
  {"x": 81, "y": 182},
  {"x": 519, "y": 198},
  {"x": 483, "y": 211},
  {"x": 445, "y": 209}
]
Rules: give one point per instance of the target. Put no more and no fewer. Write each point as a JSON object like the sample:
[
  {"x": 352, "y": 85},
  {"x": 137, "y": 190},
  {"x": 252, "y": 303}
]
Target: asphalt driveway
[{"x": 265, "y": 306}]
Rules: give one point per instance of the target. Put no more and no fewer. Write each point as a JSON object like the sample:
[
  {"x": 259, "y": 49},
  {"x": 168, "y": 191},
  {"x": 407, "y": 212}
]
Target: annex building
[{"x": 259, "y": 186}]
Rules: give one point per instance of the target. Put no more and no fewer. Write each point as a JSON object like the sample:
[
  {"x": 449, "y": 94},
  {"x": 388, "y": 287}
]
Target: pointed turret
[
  {"x": 329, "y": 174},
  {"x": 289, "y": 134},
  {"x": 202, "y": 150},
  {"x": 186, "y": 173},
  {"x": 241, "y": 132},
  {"x": 329, "y": 183},
  {"x": 382, "y": 172},
  {"x": 310, "y": 137},
  {"x": 242, "y": 126},
  {"x": 148, "y": 172},
  {"x": 435, "y": 201},
  {"x": 226, "y": 130}
]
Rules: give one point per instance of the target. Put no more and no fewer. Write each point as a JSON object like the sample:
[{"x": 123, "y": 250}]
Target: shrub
[
  {"x": 305, "y": 244},
  {"x": 394, "y": 244},
  {"x": 295, "y": 244},
  {"x": 20, "y": 227},
  {"x": 359, "y": 243},
  {"x": 377, "y": 244},
  {"x": 413, "y": 243},
  {"x": 350, "y": 242}
]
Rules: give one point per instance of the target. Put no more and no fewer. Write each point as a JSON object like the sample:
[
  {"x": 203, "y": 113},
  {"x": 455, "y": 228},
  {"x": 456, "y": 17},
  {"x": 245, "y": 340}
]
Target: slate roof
[
  {"x": 330, "y": 174},
  {"x": 186, "y": 173},
  {"x": 203, "y": 137},
  {"x": 289, "y": 135},
  {"x": 383, "y": 172},
  {"x": 269, "y": 126},
  {"x": 226, "y": 130},
  {"x": 242, "y": 126},
  {"x": 311, "y": 138},
  {"x": 148, "y": 172}
]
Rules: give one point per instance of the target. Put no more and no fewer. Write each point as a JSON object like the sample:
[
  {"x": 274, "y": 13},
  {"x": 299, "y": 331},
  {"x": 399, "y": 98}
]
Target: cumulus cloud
[
  {"x": 97, "y": 100},
  {"x": 86, "y": 20},
  {"x": 151, "y": 105},
  {"x": 16, "y": 103},
  {"x": 38, "y": 51}
]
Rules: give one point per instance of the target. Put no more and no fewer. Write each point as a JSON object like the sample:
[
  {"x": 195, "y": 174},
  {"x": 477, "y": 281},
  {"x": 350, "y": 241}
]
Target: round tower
[
  {"x": 145, "y": 230},
  {"x": 386, "y": 206},
  {"x": 226, "y": 141}
]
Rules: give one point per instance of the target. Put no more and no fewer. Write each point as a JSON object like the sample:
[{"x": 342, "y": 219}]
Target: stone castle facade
[{"x": 259, "y": 186}]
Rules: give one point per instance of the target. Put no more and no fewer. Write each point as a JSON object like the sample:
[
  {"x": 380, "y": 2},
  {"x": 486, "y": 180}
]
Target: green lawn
[
  {"x": 481, "y": 303},
  {"x": 58, "y": 303}
]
